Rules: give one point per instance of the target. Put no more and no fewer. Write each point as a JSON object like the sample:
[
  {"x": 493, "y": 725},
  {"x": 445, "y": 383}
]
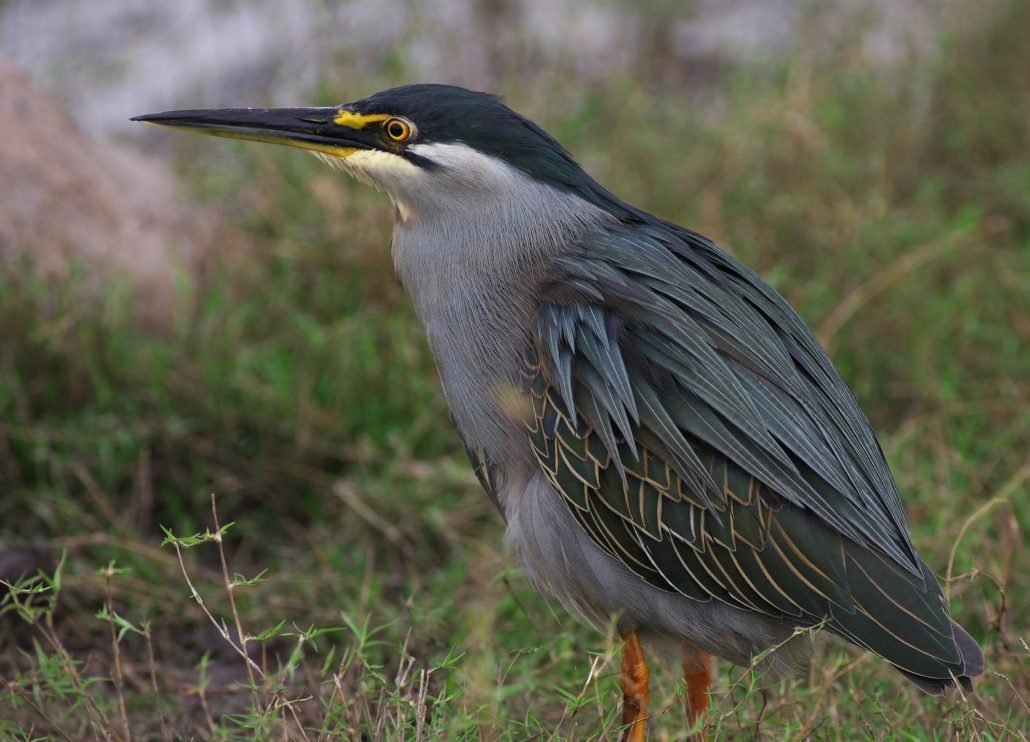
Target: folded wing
[{"x": 699, "y": 433}]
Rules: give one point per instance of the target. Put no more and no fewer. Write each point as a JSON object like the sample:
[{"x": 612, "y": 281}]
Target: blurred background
[{"x": 187, "y": 321}]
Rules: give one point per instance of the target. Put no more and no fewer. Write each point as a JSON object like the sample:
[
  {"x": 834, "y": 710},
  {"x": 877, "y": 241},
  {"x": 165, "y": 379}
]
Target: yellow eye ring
[{"x": 398, "y": 130}]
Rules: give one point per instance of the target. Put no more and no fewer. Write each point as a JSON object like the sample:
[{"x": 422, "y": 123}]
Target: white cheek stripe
[
  {"x": 373, "y": 167},
  {"x": 383, "y": 166},
  {"x": 466, "y": 162},
  {"x": 462, "y": 172}
]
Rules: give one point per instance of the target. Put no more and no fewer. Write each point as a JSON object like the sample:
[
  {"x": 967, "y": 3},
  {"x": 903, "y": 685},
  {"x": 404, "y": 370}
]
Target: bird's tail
[
  {"x": 972, "y": 665},
  {"x": 906, "y": 623}
]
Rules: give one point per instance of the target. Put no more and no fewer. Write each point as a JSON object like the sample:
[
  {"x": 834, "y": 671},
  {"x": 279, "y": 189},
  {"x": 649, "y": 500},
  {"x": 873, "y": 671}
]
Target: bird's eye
[{"x": 398, "y": 130}]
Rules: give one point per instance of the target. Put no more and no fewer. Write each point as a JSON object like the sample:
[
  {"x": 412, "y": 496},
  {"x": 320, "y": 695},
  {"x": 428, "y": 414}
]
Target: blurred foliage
[{"x": 891, "y": 205}]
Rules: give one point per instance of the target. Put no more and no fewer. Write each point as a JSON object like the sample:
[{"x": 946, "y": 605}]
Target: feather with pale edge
[{"x": 699, "y": 434}]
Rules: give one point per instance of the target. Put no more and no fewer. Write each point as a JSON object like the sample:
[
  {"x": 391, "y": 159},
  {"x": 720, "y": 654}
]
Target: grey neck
[{"x": 473, "y": 262}]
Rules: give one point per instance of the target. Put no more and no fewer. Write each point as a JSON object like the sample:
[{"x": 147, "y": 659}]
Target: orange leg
[
  {"x": 697, "y": 671},
  {"x": 635, "y": 691}
]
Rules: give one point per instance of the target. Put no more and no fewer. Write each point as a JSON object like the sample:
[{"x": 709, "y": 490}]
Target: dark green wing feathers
[{"x": 699, "y": 434}]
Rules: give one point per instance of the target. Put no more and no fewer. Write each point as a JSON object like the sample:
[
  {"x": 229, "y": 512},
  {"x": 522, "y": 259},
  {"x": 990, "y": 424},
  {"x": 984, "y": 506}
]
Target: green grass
[{"x": 892, "y": 210}]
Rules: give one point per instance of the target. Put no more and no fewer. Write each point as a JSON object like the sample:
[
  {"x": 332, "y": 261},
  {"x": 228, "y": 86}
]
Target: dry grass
[{"x": 362, "y": 590}]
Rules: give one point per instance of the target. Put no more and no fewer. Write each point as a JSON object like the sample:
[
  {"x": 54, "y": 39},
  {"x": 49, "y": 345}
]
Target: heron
[{"x": 668, "y": 444}]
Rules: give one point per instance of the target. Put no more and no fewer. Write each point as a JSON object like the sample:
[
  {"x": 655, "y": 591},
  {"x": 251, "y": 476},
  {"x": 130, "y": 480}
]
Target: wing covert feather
[{"x": 699, "y": 434}]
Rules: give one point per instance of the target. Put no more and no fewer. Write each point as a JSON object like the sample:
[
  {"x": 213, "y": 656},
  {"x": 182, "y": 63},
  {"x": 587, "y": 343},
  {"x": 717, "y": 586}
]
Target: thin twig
[
  {"x": 230, "y": 587},
  {"x": 96, "y": 713},
  {"x": 29, "y": 700},
  {"x": 345, "y": 491},
  {"x": 591, "y": 676},
  {"x": 278, "y": 700},
  {"x": 202, "y": 694},
  {"x": 977, "y": 514},
  {"x": 220, "y": 628},
  {"x": 865, "y": 292},
  {"x": 166, "y": 733},
  {"x": 119, "y": 680}
]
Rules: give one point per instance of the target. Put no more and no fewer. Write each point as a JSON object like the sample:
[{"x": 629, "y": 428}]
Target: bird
[{"x": 668, "y": 444}]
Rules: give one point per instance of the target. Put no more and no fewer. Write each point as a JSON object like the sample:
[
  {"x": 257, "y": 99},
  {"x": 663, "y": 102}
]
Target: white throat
[{"x": 476, "y": 239}]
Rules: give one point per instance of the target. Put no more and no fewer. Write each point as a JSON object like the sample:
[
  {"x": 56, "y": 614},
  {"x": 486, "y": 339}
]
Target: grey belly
[{"x": 560, "y": 558}]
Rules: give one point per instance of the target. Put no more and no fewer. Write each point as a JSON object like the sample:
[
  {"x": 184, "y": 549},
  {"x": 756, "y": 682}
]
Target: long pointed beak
[{"x": 308, "y": 128}]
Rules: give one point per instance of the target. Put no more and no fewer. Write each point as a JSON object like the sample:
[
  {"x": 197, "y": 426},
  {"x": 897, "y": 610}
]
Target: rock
[{"x": 69, "y": 200}]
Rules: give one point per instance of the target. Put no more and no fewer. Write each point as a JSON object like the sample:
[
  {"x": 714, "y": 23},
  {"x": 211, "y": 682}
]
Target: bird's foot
[
  {"x": 697, "y": 672},
  {"x": 635, "y": 689}
]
